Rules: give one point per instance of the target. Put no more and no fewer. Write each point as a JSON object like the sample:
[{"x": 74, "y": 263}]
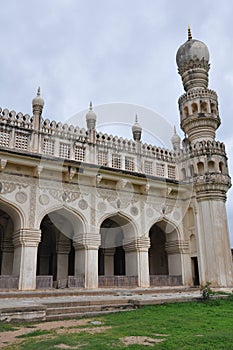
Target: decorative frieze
[{"x": 10, "y": 183}]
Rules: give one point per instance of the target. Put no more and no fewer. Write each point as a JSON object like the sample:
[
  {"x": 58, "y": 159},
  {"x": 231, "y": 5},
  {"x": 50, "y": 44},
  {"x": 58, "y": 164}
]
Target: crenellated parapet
[
  {"x": 203, "y": 148},
  {"x": 17, "y": 120},
  {"x": 63, "y": 131},
  {"x": 203, "y": 161},
  {"x": 49, "y": 138}
]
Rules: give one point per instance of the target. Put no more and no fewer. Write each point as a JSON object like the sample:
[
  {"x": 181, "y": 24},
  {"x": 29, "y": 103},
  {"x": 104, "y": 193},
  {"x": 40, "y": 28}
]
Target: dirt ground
[
  {"x": 70, "y": 326},
  {"x": 9, "y": 338}
]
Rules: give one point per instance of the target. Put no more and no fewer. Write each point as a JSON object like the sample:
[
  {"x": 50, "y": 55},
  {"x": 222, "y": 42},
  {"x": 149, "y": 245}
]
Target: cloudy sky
[{"x": 112, "y": 51}]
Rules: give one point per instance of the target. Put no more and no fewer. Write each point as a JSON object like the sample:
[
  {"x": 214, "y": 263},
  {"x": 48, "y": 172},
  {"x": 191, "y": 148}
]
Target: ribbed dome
[
  {"x": 137, "y": 130},
  {"x": 38, "y": 100},
  {"x": 136, "y": 127},
  {"x": 175, "y": 140},
  {"x": 192, "y": 49},
  {"x": 90, "y": 114},
  {"x": 175, "y": 137},
  {"x": 193, "y": 63},
  {"x": 91, "y": 118}
]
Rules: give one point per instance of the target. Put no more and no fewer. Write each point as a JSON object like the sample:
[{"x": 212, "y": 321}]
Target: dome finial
[
  {"x": 189, "y": 33},
  {"x": 175, "y": 140},
  {"x": 91, "y": 118},
  {"x": 136, "y": 130},
  {"x": 38, "y": 103}
]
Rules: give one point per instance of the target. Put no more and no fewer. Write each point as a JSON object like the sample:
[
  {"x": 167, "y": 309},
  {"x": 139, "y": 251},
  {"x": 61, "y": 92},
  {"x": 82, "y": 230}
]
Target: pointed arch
[
  {"x": 164, "y": 253},
  {"x": 16, "y": 213},
  {"x": 56, "y": 257},
  {"x": 67, "y": 212},
  {"x": 118, "y": 235},
  {"x": 122, "y": 219},
  {"x": 12, "y": 220},
  {"x": 166, "y": 224}
]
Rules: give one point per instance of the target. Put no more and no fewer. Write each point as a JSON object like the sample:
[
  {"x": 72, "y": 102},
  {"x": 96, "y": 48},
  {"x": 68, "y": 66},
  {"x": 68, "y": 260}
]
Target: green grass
[{"x": 195, "y": 325}]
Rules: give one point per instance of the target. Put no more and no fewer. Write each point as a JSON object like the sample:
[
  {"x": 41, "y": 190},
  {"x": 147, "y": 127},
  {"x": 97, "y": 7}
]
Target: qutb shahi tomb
[{"x": 85, "y": 209}]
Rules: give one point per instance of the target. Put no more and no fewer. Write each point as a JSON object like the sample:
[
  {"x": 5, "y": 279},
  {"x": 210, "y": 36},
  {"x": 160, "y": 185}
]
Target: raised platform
[{"x": 61, "y": 304}]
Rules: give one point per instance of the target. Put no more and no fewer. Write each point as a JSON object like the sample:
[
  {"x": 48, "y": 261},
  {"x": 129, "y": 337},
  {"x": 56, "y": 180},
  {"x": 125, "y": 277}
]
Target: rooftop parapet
[{"x": 55, "y": 139}]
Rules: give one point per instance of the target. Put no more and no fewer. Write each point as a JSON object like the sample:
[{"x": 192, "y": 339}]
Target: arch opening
[
  {"x": 116, "y": 262},
  {"x": 221, "y": 167},
  {"x": 158, "y": 261},
  {"x": 200, "y": 168},
  {"x": 194, "y": 108},
  {"x": 7, "y": 251},
  {"x": 56, "y": 252},
  {"x": 211, "y": 166},
  {"x": 165, "y": 266}
]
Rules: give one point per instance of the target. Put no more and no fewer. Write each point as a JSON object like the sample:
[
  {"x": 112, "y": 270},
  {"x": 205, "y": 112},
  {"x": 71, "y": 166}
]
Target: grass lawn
[{"x": 194, "y": 325}]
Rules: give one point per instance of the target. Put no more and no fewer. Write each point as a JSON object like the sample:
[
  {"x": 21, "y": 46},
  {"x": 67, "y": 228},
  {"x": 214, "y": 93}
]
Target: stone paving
[
  {"x": 16, "y": 303},
  {"x": 11, "y": 302}
]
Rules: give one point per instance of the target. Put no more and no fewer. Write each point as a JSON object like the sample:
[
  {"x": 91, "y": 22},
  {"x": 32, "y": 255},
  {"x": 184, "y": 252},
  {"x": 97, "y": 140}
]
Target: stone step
[
  {"x": 85, "y": 292},
  {"x": 84, "y": 314},
  {"x": 88, "y": 308},
  {"x": 84, "y": 303}
]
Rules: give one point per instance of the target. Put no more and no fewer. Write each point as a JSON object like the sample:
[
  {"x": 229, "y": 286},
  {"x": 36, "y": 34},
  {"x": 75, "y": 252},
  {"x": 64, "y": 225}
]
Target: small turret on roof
[{"x": 136, "y": 130}]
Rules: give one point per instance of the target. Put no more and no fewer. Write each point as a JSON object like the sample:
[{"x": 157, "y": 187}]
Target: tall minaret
[
  {"x": 199, "y": 106},
  {"x": 205, "y": 164}
]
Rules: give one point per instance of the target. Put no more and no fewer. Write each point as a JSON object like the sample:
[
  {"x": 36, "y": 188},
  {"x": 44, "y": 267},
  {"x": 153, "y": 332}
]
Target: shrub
[{"x": 206, "y": 291}]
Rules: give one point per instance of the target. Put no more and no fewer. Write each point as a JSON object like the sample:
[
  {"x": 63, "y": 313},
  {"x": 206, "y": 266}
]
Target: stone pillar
[
  {"x": 179, "y": 260},
  {"x": 86, "y": 258},
  {"x": 136, "y": 260},
  {"x": 25, "y": 257},
  {"x": 7, "y": 257},
  {"x": 63, "y": 250},
  {"x": 43, "y": 263},
  {"x": 109, "y": 261},
  {"x": 7, "y": 246},
  {"x": 213, "y": 241}
]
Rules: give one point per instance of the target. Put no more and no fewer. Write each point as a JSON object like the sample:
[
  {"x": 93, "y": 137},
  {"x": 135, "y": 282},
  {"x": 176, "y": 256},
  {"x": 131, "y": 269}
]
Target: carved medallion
[
  {"x": 134, "y": 211},
  {"x": 149, "y": 212},
  {"x": 82, "y": 204},
  {"x": 44, "y": 199},
  {"x": 21, "y": 197},
  {"x": 102, "y": 206}
]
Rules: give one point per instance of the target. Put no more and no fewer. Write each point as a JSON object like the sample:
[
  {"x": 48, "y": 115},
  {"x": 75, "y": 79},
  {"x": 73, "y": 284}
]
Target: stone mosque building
[{"x": 83, "y": 209}]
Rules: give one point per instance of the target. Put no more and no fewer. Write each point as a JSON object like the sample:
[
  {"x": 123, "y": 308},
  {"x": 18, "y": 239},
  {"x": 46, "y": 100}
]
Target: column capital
[
  {"x": 109, "y": 251},
  {"x": 139, "y": 244},
  {"x": 63, "y": 247},
  {"x": 86, "y": 241},
  {"x": 26, "y": 238},
  {"x": 7, "y": 246},
  {"x": 177, "y": 247}
]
